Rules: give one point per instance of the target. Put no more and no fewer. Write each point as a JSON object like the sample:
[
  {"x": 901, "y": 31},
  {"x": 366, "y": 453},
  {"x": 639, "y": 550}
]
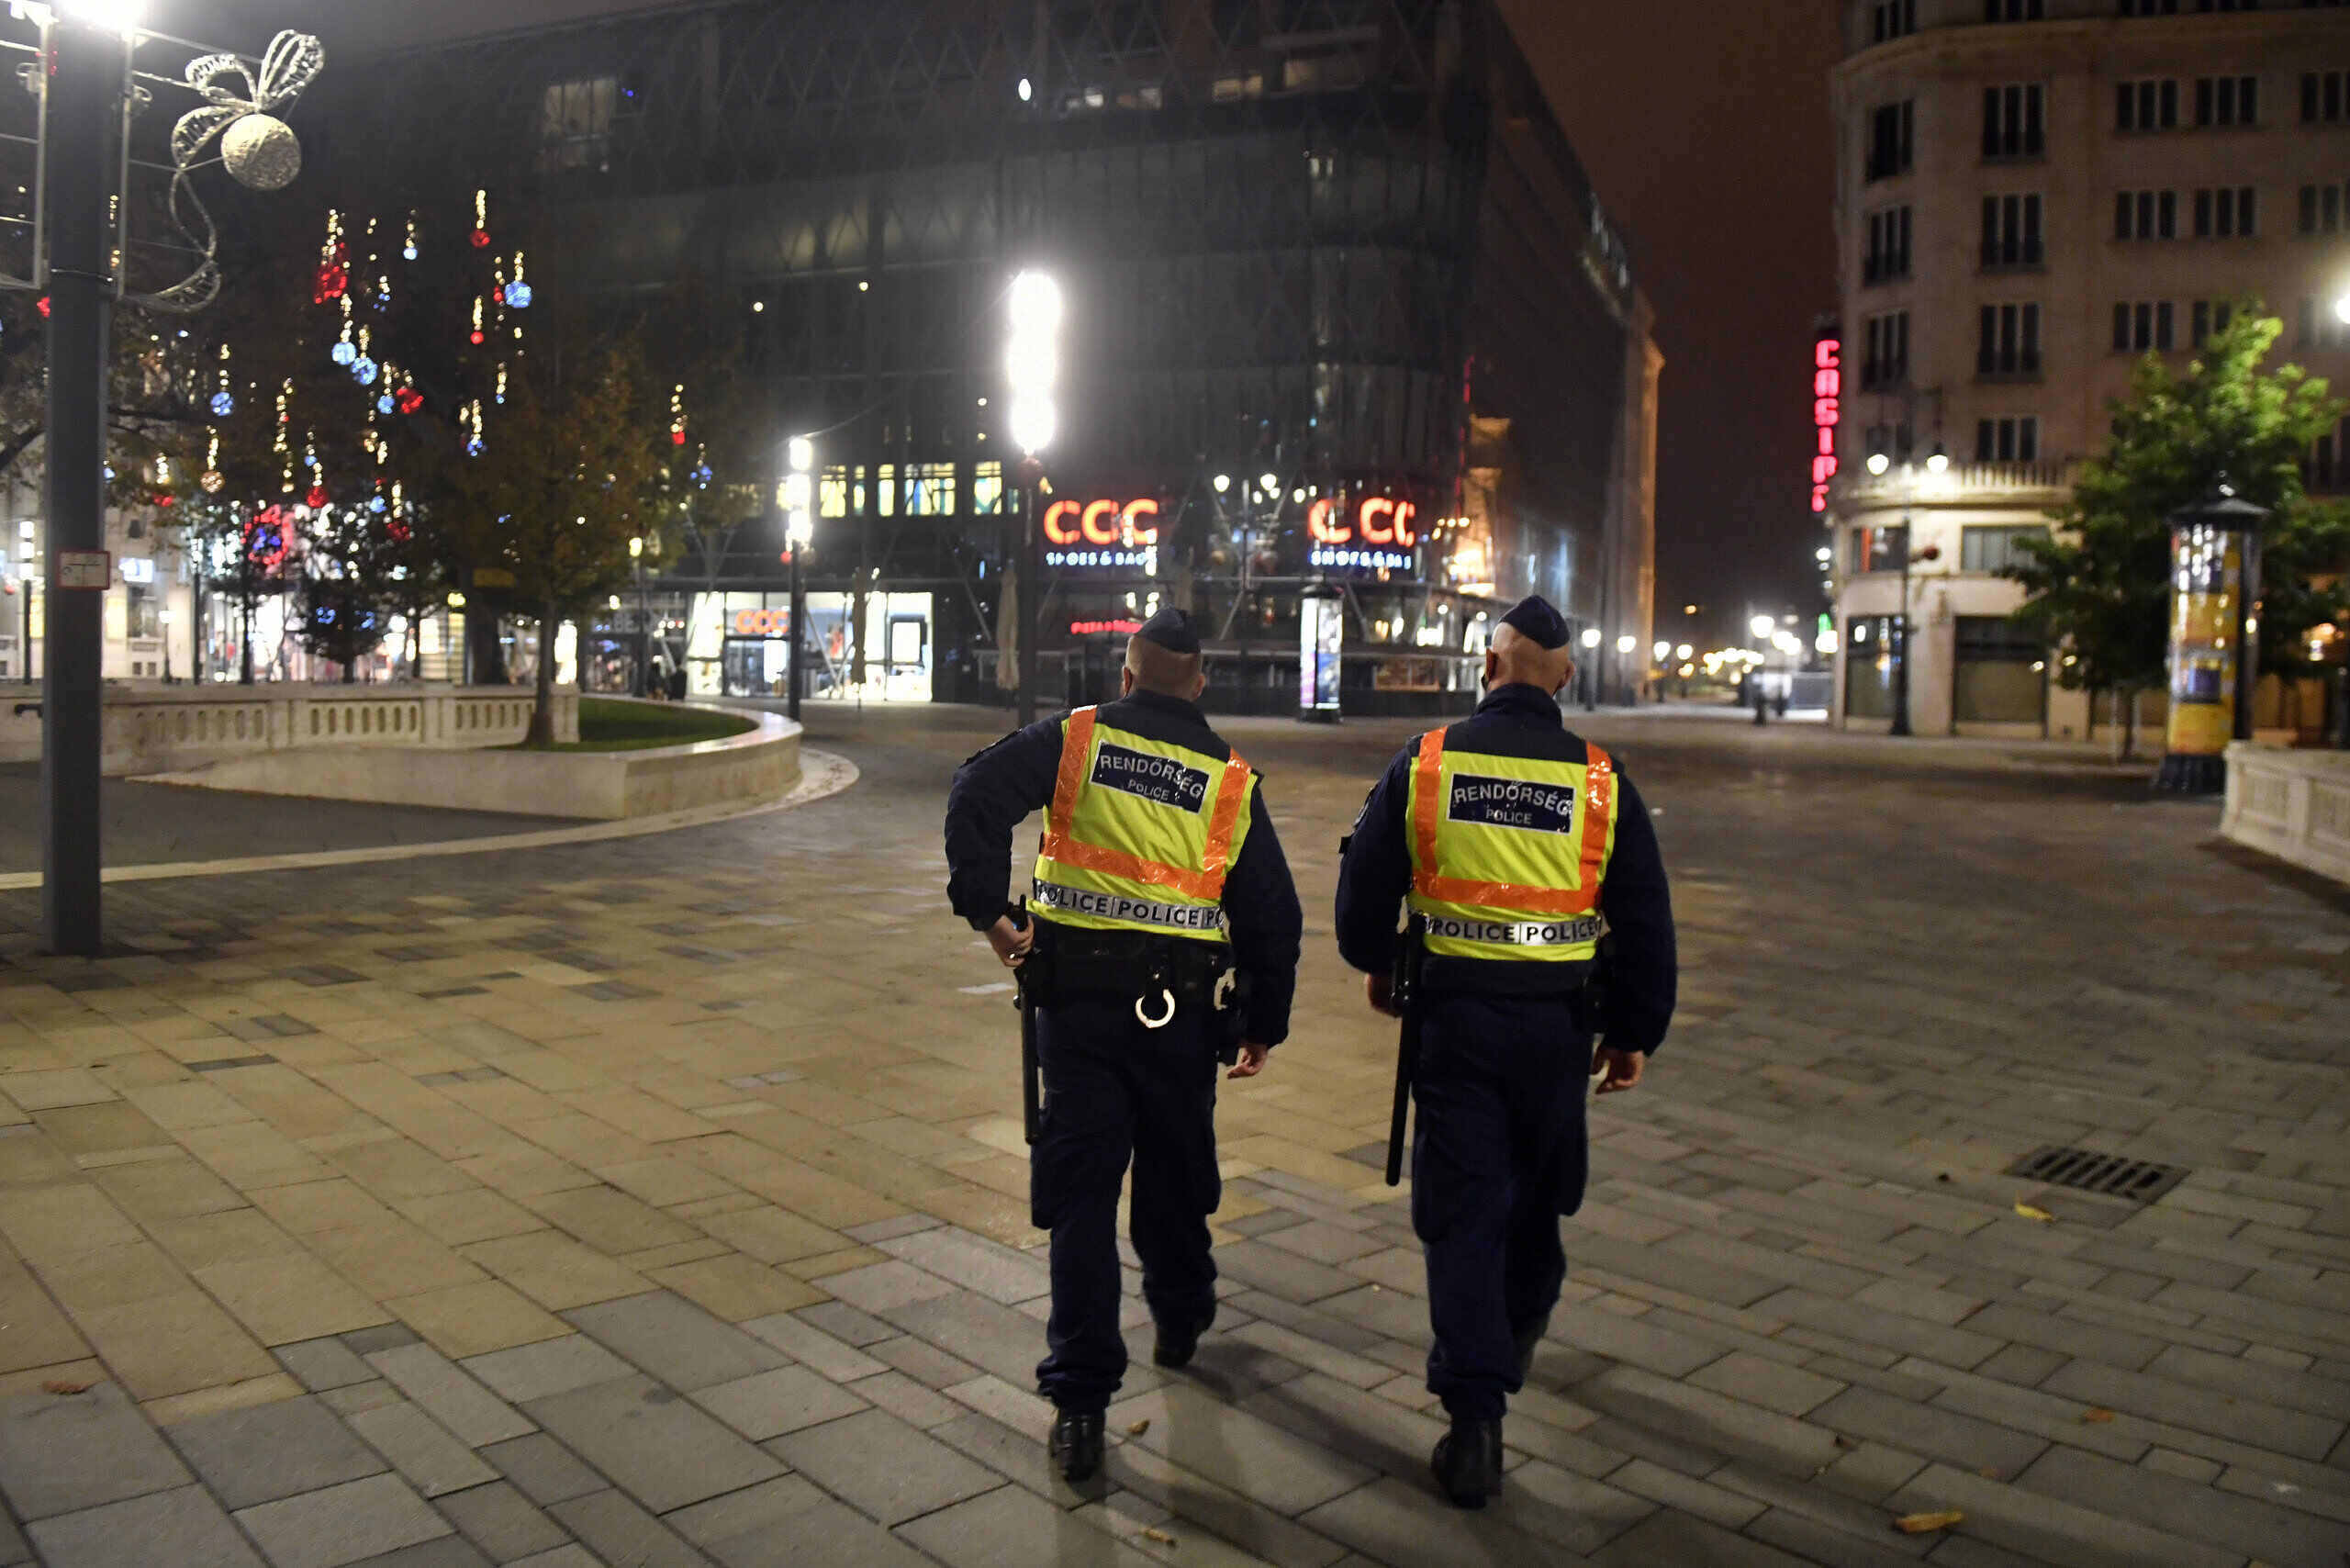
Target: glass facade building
[{"x": 1341, "y": 305}]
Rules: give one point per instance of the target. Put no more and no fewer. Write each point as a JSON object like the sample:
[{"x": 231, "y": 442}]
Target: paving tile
[
  {"x": 182, "y": 1528},
  {"x": 655, "y": 1445},
  {"x": 2260, "y": 1530},
  {"x": 2103, "y": 1342},
  {"x": 1241, "y": 1452},
  {"x": 450, "y": 1396},
  {"x": 1759, "y": 1380},
  {"x": 676, "y": 1341},
  {"x": 1407, "y": 1525},
  {"x": 502, "y": 1522},
  {"x": 751, "y": 1509},
  {"x": 800, "y": 1340},
  {"x": 549, "y": 1366},
  {"x": 922, "y": 1362},
  {"x": 1349, "y": 1422},
  {"x": 323, "y": 1363},
  {"x": 447, "y": 1552},
  {"x": 618, "y": 1531},
  {"x": 420, "y": 1448},
  {"x": 2049, "y": 1529},
  {"x": 770, "y": 1404},
  {"x": 2184, "y": 1405},
  {"x": 886, "y": 1469},
  {"x": 542, "y": 1469},
  {"x": 992, "y": 1336},
  {"x": 1668, "y": 1537},
  {"x": 272, "y": 1450},
  {"x": 1224, "y": 1514},
  {"x": 472, "y": 1320},
  {"x": 62, "y": 1454},
  {"x": 1284, "y": 1275},
  {"x": 844, "y": 1323},
  {"x": 339, "y": 1524},
  {"x": 997, "y": 1272},
  {"x": 1694, "y": 1416},
  {"x": 1937, "y": 1434},
  {"x": 1012, "y": 1528},
  {"x": 879, "y": 1287},
  {"x": 2240, "y": 1378},
  {"x": 572, "y": 1556}
]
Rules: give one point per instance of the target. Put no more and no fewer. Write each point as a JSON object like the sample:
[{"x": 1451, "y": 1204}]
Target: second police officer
[
  {"x": 1165, "y": 934},
  {"x": 1527, "y": 861}
]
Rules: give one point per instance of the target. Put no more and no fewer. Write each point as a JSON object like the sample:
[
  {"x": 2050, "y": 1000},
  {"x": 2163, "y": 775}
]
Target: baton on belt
[
  {"x": 1031, "y": 1093},
  {"x": 1404, "y": 998}
]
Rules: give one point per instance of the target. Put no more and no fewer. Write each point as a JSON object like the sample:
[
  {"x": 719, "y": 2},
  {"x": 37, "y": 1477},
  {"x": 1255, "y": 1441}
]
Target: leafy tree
[
  {"x": 557, "y": 494},
  {"x": 2100, "y": 588}
]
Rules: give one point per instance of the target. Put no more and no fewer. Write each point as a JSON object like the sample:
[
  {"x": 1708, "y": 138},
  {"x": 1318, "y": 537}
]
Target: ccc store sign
[
  {"x": 1102, "y": 524},
  {"x": 1378, "y": 520}
]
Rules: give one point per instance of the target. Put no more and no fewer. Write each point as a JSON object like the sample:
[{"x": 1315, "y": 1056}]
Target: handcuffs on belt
[{"x": 1222, "y": 997}]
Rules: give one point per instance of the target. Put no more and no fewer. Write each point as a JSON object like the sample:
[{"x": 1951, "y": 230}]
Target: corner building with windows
[
  {"x": 1342, "y": 308},
  {"x": 2031, "y": 195}
]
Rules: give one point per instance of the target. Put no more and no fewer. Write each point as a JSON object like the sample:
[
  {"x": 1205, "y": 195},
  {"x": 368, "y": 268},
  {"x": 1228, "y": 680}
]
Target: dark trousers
[
  {"x": 1114, "y": 1090},
  {"x": 1499, "y": 1154}
]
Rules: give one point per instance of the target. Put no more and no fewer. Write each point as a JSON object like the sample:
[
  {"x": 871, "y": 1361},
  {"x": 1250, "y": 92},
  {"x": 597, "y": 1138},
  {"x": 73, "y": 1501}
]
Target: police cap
[
  {"x": 1534, "y": 617},
  {"x": 1172, "y": 628}
]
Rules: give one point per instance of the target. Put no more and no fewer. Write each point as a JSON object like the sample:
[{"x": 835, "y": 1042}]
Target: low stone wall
[
  {"x": 159, "y": 729},
  {"x": 760, "y": 765},
  {"x": 2294, "y": 804}
]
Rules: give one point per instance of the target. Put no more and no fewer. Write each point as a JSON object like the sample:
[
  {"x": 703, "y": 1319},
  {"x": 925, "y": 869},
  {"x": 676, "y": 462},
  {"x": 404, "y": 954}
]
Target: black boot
[
  {"x": 1178, "y": 1340},
  {"x": 1467, "y": 1461},
  {"x": 1529, "y": 1339},
  {"x": 1076, "y": 1443}
]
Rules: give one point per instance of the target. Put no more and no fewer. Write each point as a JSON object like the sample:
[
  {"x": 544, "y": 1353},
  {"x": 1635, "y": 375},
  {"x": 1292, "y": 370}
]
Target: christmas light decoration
[
  {"x": 223, "y": 405},
  {"x": 334, "y": 263},
  {"x": 408, "y": 250},
  {"x": 407, "y": 399},
  {"x": 363, "y": 370},
  {"x": 344, "y": 352},
  {"x": 481, "y": 220},
  {"x": 678, "y": 415}
]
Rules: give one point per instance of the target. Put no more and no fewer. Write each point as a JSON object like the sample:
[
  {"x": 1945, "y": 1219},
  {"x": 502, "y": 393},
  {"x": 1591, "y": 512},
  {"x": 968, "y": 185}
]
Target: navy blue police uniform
[
  {"x": 1499, "y": 1152},
  {"x": 1118, "y": 1083}
]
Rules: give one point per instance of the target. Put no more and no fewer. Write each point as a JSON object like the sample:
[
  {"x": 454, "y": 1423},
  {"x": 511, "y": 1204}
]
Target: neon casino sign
[
  {"x": 1827, "y": 392},
  {"x": 1379, "y": 538},
  {"x": 1101, "y": 534}
]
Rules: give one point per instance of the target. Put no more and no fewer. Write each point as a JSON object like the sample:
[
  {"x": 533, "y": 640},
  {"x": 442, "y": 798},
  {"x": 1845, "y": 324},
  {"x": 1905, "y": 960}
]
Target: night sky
[{"x": 1715, "y": 153}]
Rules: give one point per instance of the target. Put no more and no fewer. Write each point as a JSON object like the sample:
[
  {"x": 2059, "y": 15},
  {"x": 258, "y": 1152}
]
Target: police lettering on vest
[
  {"x": 1140, "y": 832},
  {"x": 1508, "y": 852}
]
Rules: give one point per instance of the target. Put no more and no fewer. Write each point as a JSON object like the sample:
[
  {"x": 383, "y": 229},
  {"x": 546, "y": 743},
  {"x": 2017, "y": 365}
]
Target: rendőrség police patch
[
  {"x": 1159, "y": 778},
  {"x": 1512, "y": 802}
]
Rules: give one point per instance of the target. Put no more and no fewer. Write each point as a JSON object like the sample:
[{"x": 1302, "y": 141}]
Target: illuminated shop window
[
  {"x": 987, "y": 489},
  {"x": 831, "y": 492},
  {"x": 930, "y": 489}
]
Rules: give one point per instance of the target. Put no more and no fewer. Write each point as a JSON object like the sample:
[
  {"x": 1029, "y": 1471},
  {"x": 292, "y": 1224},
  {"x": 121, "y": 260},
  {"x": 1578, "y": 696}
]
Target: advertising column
[
  {"x": 1321, "y": 621},
  {"x": 2211, "y": 568}
]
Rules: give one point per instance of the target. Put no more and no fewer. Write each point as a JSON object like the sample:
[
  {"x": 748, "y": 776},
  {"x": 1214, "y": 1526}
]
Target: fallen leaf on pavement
[
  {"x": 1159, "y": 1536},
  {"x": 2096, "y": 1417},
  {"x": 2042, "y": 1215},
  {"x": 60, "y": 1385},
  {"x": 1921, "y": 1524},
  {"x": 1844, "y": 1442},
  {"x": 1138, "y": 1429}
]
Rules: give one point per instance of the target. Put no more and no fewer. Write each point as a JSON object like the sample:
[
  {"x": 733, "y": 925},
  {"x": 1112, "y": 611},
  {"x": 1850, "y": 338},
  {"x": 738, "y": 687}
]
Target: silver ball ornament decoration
[{"x": 262, "y": 152}]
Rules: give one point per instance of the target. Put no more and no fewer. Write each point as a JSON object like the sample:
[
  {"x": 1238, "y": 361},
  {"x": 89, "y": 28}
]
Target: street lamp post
[
  {"x": 638, "y": 685},
  {"x": 1032, "y": 368},
  {"x": 800, "y": 533},
  {"x": 1900, "y": 725},
  {"x": 1590, "y": 673}
]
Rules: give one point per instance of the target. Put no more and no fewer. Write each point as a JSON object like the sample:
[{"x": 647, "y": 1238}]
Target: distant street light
[
  {"x": 1591, "y": 636},
  {"x": 1269, "y": 481},
  {"x": 1222, "y": 483},
  {"x": 798, "y": 533},
  {"x": 1032, "y": 371},
  {"x": 1627, "y": 642},
  {"x": 1662, "y": 651},
  {"x": 2341, "y": 308},
  {"x": 1937, "y": 460},
  {"x": 1683, "y": 652},
  {"x": 1761, "y": 626},
  {"x": 1879, "y": 463}
]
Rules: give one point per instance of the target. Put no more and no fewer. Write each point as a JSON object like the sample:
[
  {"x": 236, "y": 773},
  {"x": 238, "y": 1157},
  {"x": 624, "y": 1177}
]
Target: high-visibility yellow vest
[
  {"x": 1140, "y": 834},
  {"x": 1508, "y": 852}
]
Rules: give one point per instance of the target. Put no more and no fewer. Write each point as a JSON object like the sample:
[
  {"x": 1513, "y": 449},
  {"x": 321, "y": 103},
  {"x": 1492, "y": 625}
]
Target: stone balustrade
[
  {"x": 165, "y": 728},
  {"x": 2294, "y": 804}
]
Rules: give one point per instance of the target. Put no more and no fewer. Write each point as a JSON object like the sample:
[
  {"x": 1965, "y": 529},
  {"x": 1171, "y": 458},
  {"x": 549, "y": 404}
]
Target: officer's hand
[
  {"x": 1010, "y": 942},
  {"x": 1379, "y": 990},
  {"x": 1621, "y": 1068},
  {"x": 1252, "y": 1060}
]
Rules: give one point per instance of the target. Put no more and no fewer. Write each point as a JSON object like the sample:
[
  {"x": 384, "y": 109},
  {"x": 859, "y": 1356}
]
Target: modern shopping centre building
[{"x": 1342, "y": 308}]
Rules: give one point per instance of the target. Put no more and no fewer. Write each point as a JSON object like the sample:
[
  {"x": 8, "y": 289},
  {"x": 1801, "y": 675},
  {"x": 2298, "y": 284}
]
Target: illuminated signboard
[
  {"x": 1101, "y": 534},
  {"x": 762, "y": 622},
  {"x": 1095, "y": 628},
  {"x": 1379, "y": 538},
  {"x": 1827, "y": 392}
]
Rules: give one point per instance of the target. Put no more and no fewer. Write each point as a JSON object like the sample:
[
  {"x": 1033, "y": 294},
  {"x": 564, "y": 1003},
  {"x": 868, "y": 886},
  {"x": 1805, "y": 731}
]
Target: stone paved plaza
[{"x": 661, "y": 1202}]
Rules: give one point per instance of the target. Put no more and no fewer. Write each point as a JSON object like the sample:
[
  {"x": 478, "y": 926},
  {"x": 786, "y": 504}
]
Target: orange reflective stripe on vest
[
  {"x": 1597, "y": 816},
  {"x": 1207, "y": 883}
]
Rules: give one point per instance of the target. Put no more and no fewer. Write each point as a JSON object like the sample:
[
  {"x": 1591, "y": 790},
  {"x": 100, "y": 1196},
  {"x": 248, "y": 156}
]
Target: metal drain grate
[{"x": 2107, "y": 1175}]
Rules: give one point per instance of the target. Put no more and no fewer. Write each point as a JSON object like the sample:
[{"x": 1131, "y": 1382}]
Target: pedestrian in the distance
[
  {"x": 1165, "y": 934},
  {"x": 1516, "y": 847}
]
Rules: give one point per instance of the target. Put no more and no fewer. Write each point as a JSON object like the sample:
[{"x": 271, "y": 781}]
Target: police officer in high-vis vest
[
  {"x": 1165, "y": 934},
  {"x": 1524, "y": 862}
]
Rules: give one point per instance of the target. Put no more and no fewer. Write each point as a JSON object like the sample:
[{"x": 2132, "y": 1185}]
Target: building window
[
  {"x": 2011, "y": 438},
  {"x": 1892, "y": 138},
  {"x": 575, "y": 123},
  {"x": 2011, "y": 231},
  {"x": 1868, "y": 667},
  {"x": 1895, "y": 440},
  {"x": 1877, "y": 549},
  {"x": 2208, "y": 316},
  {"x": 1888, "y": 251},
  {"x": 987, "y": 489},
  {"x": 2321, "y": 97},
  {"x": 2015, "y": 120},
  {"x": 2321, "y": 210},
  {"x": 2002, "y": 673},
  {"x": 143, "y": 613},
  {"x": 1885, "y": 360},
  {"x": 2145, "y": 105},
  {"x": 2320, "y": 326},
  {"x": 2145, "y": 215},
  {"x": 2008, "y": 343},
  {"x": 2227, "y": 100},
  {"x": 2226, "y": 213},
  {"x": 1996, "y": 549},
  {"x": 1890, "y": 19},
  {"x": 2327, "y": 467},
  {"x": 930, "y": 489},
  {"x": 2014, "y": 10},
  {"x": 2142, "y": 325},
  {"x": 2149, "y": 7}
]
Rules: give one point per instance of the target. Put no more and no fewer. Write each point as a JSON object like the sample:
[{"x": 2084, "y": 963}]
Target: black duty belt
[{"x": 1156, "y": 973}]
